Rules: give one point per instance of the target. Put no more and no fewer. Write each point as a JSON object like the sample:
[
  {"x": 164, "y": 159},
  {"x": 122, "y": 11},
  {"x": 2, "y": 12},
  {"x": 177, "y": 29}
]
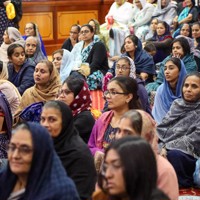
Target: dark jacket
[
  {"x": 67, "y": 45},
  {"x": 24, "y": 78}
]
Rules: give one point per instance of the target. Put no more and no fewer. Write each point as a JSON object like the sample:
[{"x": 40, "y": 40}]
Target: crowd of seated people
[{"x": 53, "y": 146}]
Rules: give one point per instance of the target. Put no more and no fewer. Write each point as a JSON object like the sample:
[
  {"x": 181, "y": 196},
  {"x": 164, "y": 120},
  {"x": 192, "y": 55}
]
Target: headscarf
[
  {"x": 34, "y": 94},
  {"x": 82, "y": 101},
  {"x": 4, "y": 72},
  {"x": 47, "y": 178},
  {"x": 161, "y": 11},
  {"x": 165, "y": 97},
  {"x": 74, "y": 154},
  {"x": 66, "y": 65},
  {"x": 132, "y": 68},
  {"x": 143, "y": 61},
  {"x": 15, "y": 36}
]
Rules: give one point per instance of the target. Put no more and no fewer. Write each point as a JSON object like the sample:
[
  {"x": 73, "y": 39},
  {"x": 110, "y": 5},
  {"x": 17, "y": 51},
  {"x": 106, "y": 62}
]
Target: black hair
[
  {"x": 11, "y": 49},
  {"x": 129, "y": 86},
  {"x": 184, "y": 44},
  {"x": 176, "y": 61},
  {"x": 74, "y": 84},
  {"x": 149, "y": 47},
  {"x": 89, "y": 27},
  {"x": 139, "y": 167},
  {"x": 1, "y": 66},
  {"x": 77, "y": 26},
  {"x": 134, "y": 39},
  {"x": 124, "y": 58},
  {"x": 190, "y": 29}
]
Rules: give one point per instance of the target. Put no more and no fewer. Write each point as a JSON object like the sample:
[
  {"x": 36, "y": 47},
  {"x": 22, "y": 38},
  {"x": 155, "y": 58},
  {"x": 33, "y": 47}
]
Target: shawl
[
  {"x": 47, "y": 178},
  {"x": 143, "y": 61},
  {"x": 3, "y": 52},
  {"x": 180, "y": 128},
  {"x": 34, "y": 94},
  {"x": 95, "y": 142},
  {"x": 165, "y": 97},
  {"x": 4, "y": 72},
  {"x": 74, "y": 154},
  {"x": 82, "y": 101},
  {"x": 66, "y": 65},
  {"x": 161, "y": 11},
  {"x": 15, "y": 36},
  {"x": 13, "y": 97},
  {"x": 4, "y": 106}
]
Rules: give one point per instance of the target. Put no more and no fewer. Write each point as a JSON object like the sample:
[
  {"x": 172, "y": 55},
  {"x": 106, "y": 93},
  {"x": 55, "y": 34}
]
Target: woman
[
  {"x": 130, "y": 177},
  {"x": 93, "y": 53},
  {"x": 33, "y": 49},
  {"x": 142, "y": 18},
  {"x": 63, "y": 62},
  {"x": 47, "y": 84},
  {"x": 11, "y": 36},
  {"x": 186, "y": 30},
  {"x": 20, "y": 69},
  {"x": 73, "y": 152},
  {"x": 126, "y": 67},
  {"x": 162, "y": 40},
  {"x": 165, "y": 11},
  {"x": 31, "y": 29},
  {"x": 180, "y": 48},
  {"x": 152, "y": 28},
  {"x": 5, "y": 22},
  {"x": 115, "y": 27},
  {"x": 5, "y": 125},
  {"x": 170, "y": 90},
  {"x": 138, "y": 122},
  {"x": 121, "y": 95},
  {"x": 73, "y": 38},
  {"x": 188, "y": 15},
  {"x": 179, "y": 131},
  {"x": 75, "y": 93},
  {"x": 34, "y": 171},
  {"x": 6, "y": 87},
  {"x": 196, "y": 34},
  {"x": 143, "y": 61}
]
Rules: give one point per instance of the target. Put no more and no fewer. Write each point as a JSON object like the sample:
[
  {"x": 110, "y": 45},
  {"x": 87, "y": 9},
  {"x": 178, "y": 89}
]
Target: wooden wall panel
[{"x": 66, "y": 19}]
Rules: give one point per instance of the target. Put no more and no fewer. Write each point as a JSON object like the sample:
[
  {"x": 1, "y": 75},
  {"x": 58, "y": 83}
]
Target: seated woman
[
  {"x": 34, "y": 171},
  {"x": 73, "y": 152},
  {"x": 5, "y": 125},
  {"x": 20, "y": 69},
  {"x": 75, "y": 93},
  {"x": 170, "y": 90},
  {"x": 165, "y": 11},
  {"x": 47, "y": 84},
  {"x": 152, "y": 29},
  {"x": 142, "y": 18},
  {"x": 196, "y": 34},
  {"x": 188, "y": 15},
  {"x": 162, "y": 40},
  {"x": 126, "y": 67},
  {"x": 11, "y": 35},
  {"x": 179, "y": 131},
  {"x": 180, "y": 48},
  {"x": 140, "y": 123},
  {"x": 143, "y": 61},
  {"x": 185, "y": 30},
  {"x": 130, "y": 175},
  {"x": 73, "y": 37},
  {"x": 33, "y": 50},
  {"x": 63, "y": 61},
  {"x": 93, "y": 53},
  {"x": 121, "y": 95},
  {"x": 31, "y": 29},
  {"x": 115, "y": 28},
  {"x": 6, "y": 87}
]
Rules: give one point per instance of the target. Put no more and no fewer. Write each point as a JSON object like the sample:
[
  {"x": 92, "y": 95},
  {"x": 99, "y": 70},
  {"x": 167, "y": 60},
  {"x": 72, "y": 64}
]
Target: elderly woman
[
  {"x": 179, "y": 131},
  {"x": 90, "y": 58},
  {"x": 73, "y": 152},
  {"x": 165, "y": 11},
  {"x": 140, "y": 123},
  {"x": 34, "y": 171}
]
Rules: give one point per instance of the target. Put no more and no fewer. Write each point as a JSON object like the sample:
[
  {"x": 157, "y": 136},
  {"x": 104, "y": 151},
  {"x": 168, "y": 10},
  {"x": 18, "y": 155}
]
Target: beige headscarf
[
  {"x": 15, "y": 36},
  {"x": 34, "y": 94}
]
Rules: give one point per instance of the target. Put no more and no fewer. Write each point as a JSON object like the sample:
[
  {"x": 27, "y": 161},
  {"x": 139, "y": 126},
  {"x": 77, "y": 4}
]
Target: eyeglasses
[
  {"x": 22, "y": 150},
  {"x": 123, "y": 68},
  {"x": 112, "y": 93},
  {"x": 73, "y": 32},
  {"x": 65, "y": 92},
  {"x": 84, "y": 32}
]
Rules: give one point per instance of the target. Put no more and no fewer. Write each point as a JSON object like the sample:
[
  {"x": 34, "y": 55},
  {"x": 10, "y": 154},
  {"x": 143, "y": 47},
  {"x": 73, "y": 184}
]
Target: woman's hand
[
  {"x": 5, "y": 3},
  {"x": 144, "y": 76}
]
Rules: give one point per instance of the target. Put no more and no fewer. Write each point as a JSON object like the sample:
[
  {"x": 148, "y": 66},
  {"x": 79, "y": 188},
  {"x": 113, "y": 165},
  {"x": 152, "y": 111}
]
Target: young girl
[{"x": 20, "y": 70}]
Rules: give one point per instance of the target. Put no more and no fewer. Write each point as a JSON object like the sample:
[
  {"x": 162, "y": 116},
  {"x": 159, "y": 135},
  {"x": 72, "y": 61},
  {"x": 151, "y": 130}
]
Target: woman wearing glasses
[
  {"x": 121, "y": 95},
  {"x": 75, "y": 93},
  {"x": 34, "y": 171},
  {"x": 47, "y": 84},
  {"x": 90, "y": 57}
]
